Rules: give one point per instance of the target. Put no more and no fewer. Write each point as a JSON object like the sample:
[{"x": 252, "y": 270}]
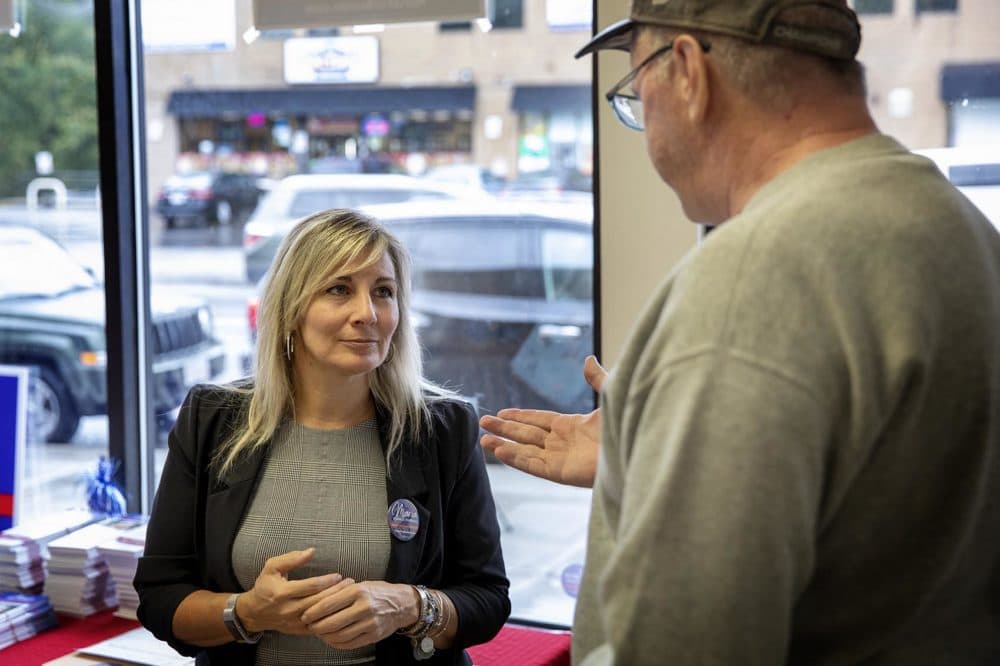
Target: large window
[
  {"x": 502, "y": 14},
  {"x": 504, "y": 289},
  {"x": 502, "y": 245},
  {"x": 507, "y": 13},
  {"x": 873, "y": 6},
  {"x": 937, "y": 5},
  {"x": 51, "y": 259}
]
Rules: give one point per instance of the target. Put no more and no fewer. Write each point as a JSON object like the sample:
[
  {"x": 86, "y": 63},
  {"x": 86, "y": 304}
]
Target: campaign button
[{"x": 404, "y": 521}]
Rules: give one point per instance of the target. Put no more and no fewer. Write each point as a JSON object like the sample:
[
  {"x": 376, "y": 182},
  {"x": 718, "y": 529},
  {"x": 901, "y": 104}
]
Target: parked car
[
  {"x": 207, "y": 198},
  {"x": 336, "y": 164},
  {"x": 297, "y": 196},
  {"x": 502, "y": 298},
  {"x": 52, "y": 319},
  {"x": 549, "y": 186},
  {"x": 470, "y": 175}
]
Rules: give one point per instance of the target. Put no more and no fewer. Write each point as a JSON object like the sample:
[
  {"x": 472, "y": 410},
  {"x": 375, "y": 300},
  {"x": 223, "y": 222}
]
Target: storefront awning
[
  {"x": 973, "y": 81},
  {"x": 320, "y": 101},
  {"x": 551, "y": 99}
]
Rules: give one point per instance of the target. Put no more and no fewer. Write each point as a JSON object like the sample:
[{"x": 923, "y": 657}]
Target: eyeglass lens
[{"x": 628, "y": 110}]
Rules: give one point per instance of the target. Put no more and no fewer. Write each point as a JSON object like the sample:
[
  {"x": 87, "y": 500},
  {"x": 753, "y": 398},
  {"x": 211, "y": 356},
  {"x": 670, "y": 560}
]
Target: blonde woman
[{"x": 336, "y": 508}]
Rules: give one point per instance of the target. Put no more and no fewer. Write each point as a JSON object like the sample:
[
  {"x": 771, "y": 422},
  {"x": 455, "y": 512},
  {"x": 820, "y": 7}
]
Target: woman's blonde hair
[{"x": 318, "y": 245}]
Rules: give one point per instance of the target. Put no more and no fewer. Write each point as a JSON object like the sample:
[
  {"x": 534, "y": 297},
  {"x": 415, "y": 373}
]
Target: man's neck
[{"x": 769, "y": 154}]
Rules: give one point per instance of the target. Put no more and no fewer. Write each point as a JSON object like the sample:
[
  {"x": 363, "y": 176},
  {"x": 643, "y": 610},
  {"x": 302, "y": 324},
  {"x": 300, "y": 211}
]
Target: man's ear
[{"x": 692, "y": 76}]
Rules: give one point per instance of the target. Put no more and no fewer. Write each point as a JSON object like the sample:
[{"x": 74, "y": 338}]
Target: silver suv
[{"x": 297, "y": 196}]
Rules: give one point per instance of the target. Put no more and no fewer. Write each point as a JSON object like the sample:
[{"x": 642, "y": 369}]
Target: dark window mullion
[{"x": 123, "y": 196}]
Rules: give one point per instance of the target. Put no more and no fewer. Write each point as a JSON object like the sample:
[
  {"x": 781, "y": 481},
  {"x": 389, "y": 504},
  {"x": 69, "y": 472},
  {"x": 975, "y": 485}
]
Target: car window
[
  {"x": 567, "y": 256},
  {"x": 19, "y": 274},
  {"x": 490, "y": 258},
  {"x": 421, "y": 195},
  {"x": 308, "y": 202}
]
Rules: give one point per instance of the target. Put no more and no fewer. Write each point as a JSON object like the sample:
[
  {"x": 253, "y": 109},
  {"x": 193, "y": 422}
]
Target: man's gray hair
[{"x": 773, "y": 75}]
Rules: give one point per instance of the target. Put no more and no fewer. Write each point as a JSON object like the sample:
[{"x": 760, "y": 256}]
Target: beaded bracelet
[
  {"x": 423, "y": 619},
  {"x": 442, "y": 623},
  {"x": 423, "y": 645},
  {"x": 430, "y": 615}
]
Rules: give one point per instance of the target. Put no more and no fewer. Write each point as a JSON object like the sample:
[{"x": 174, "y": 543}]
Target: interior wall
[{"x": 643, "y": 231}]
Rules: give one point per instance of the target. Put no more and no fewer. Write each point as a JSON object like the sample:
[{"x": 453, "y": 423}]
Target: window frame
[{"x": 131, "y": 423}]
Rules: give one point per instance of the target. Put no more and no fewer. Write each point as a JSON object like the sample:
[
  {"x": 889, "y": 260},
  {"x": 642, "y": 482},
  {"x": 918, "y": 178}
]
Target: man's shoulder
[{"x": 848, "y": 202}]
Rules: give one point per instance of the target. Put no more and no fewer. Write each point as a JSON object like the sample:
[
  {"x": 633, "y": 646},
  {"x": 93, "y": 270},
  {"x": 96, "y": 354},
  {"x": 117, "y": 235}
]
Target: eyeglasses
[{"x": 627, "y": 105}]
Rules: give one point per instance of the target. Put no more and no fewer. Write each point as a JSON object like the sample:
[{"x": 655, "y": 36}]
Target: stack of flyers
[
  {"x": 79, "y": 582},
  {"x": 24, "y": 615},
  {"x": 22, "y": 564},
  {"x": 122, "y": 555},
  {"x": 23, "y": 552}
]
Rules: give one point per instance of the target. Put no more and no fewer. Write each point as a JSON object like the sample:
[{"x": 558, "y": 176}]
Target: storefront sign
[
  {"x": 533, "y": 153},
  {"x": 327, "y": 60},
  {"x": 286, "y": 14},
  {"x": 13, "y": 433},
  {"x": 375, "y": 124},
  {"x": 188, "y": 25}
]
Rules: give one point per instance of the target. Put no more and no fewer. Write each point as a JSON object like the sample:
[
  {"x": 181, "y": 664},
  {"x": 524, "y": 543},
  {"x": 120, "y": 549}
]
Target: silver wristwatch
[{"x": 233, "y": 624}]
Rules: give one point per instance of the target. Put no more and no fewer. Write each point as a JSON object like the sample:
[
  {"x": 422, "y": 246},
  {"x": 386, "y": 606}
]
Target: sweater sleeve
[
  {"x": 168, "y": 570},
  {"x": 703, "y": 528},
  {"x": 475, "y": 579}
]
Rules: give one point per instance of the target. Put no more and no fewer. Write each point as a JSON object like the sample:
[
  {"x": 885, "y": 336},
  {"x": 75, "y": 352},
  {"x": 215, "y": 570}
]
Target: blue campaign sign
[{"x": 13, "y": 432}]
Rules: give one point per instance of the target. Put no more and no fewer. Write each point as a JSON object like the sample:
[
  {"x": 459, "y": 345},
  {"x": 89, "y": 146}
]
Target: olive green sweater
[{"x": 801, "y": 444}]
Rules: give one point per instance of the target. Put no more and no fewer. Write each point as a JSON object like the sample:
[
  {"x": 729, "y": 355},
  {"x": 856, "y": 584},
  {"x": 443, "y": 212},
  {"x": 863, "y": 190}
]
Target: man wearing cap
[{"x": 799, "y": 451}]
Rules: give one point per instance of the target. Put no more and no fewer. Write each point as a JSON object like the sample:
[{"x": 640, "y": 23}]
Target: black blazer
[{"x": 196, "y": 515}]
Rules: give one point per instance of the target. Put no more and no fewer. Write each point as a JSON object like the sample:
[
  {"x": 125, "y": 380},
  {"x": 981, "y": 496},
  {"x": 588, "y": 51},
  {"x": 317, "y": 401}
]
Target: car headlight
[{"x": 205, "y": 320}]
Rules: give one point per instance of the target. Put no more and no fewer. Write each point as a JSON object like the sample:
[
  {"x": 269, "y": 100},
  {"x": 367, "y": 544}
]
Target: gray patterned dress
[{"x": 322, "y": 488}]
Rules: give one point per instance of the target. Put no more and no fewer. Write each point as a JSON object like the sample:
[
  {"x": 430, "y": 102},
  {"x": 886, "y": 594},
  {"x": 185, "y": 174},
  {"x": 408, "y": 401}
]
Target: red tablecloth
[
  {"x": 71, "y": 634},
  {"x": 513, "y": 646},
  {"x": 520, "y": 646}
]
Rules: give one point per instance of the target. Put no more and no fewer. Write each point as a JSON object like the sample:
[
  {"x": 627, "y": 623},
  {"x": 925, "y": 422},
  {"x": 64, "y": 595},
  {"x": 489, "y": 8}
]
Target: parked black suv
[
  {"x": 207, "y": 198},
  {"x": 52, "y": 319}
]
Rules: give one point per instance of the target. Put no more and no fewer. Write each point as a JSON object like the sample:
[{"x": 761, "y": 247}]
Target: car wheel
[
  {"x": 56, "y": 418},
  {"x": 170, "y": 222},
  {"x": 223, "y": 212}
]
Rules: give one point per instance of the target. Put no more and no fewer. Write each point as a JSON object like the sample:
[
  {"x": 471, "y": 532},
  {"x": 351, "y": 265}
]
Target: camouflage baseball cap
[{"x": 754, "y": 20}]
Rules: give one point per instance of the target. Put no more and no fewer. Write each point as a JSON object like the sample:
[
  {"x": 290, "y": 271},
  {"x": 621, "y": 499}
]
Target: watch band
[{"x": 233, "y": 624}]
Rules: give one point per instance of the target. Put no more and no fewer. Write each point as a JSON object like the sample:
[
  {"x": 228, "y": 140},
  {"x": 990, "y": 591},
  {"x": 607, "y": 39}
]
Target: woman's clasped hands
[{"x": 342, "y": 613}]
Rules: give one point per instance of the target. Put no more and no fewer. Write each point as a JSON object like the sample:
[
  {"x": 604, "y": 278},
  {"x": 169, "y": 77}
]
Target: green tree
[{"x": 48, "y": 94}]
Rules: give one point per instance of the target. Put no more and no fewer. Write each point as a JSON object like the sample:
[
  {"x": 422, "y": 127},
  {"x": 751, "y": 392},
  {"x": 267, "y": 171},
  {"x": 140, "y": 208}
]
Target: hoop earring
[{"x": 289, "y": 346}]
